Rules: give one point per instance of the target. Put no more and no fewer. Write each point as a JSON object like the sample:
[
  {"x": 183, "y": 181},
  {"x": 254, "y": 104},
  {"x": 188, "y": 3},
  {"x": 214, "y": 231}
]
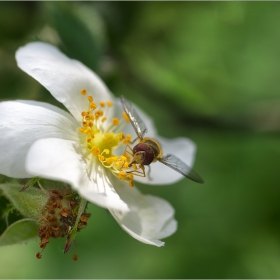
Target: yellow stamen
[
  {"x": 101, "y": 158},
  {"x": 127, "y": 139},
  {"x": 126, "y": 165},
  {"x": 115, "y": 121},
  {"x": 109, "y": 160},
  {"x": 131, "y": 184},
  {"x": 98, "y": 138},
  {"x": 98, "y": 113},
  {"x": 95, "y": 151},
  {"x": 123, "y": 158},
  {"x": 92, "y": 105},
  {"x": 122, "y": 175},
  {"x": 83, "y": 91},
  {"x": 126, "y": 117},
  {"x": 84, "y": 130}
]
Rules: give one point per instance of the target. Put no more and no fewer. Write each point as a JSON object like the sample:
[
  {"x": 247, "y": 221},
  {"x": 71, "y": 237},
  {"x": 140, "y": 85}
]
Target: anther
[
  {"x": 81, "y": 129},
  {"x": 95, "y": 151},
  {"x": 83, "y": 219},
  {"x": 64, "y": 212},
  {"x": 92, "y": 105},
  {"x": 131, "y": 184},
  {"x": 55, "y": 227},
  {"x": 88, "y": 215},
  {"x": 83, "y": 91},
  {"x": 98, "y": 113},
  {"x": 44, "y": 242},
  {"x": 38, "y": 255},
  {"x": 122, "y": 175},
  {"x": 127, "y": 139},
  {"x": 126, "y": 117},
  {"x": 73, "y": 202},
  {"x": 101, "y": 158},
  {"x": 115, "y": 121},
  {"x": 123, "y": 158},
  {"x": 126, "y": 165}
]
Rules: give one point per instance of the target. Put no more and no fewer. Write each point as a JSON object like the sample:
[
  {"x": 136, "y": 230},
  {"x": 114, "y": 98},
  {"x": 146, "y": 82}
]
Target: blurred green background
[{"x": 209, "y": 71}]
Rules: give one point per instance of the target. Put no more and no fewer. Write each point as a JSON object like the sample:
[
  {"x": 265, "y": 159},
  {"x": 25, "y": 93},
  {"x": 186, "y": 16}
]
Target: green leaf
[
  {"x": 19, "y": 232},
  {"x": 77, "y": 31},
  {"x": 30, "y": 183},
  {"x": 29, "y": 203},
  {"x": 8, "y": 214}
]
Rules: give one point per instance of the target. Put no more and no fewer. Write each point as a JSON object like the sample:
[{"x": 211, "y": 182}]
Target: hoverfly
[{"x": 148, "y": 150}]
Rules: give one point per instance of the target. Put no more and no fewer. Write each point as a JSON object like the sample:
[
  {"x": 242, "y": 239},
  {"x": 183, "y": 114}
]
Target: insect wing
[
  {"x": 137, "y": 123},
  {"x": 178, "y": 165}
]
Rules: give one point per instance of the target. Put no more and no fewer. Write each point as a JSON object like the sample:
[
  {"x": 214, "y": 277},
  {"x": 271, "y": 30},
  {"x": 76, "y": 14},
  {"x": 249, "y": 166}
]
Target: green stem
[{"x": 72, "y": 233}]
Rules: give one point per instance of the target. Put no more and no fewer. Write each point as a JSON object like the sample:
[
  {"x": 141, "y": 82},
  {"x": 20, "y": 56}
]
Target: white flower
[{"x": 38, "y": 139}]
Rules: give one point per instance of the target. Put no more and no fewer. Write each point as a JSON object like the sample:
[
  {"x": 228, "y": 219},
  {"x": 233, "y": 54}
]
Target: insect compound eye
[{"x": 149, "y": 154}]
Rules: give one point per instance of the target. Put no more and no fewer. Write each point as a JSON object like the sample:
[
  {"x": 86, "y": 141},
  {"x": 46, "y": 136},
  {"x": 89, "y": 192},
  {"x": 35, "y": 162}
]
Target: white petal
[
  {"x": 21, "y": 124},
  {"x": 61, "y": 160},
  {"x": 62, "y": 76},
  {"x": 150, "y": 218},
  {"x": 161, "y": 174}
]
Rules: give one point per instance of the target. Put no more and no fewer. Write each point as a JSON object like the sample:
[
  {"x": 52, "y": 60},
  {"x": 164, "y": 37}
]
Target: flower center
[{"x": 100, "y": 141}]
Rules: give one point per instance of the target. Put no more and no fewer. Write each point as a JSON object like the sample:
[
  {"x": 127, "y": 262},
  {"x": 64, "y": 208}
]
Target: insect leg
[
  {"x": 149, "y": 173},
  {"x": 128, "y": 151},
  {"x": 134, "y": 140},
  {"x": 137, "y": 172}
]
